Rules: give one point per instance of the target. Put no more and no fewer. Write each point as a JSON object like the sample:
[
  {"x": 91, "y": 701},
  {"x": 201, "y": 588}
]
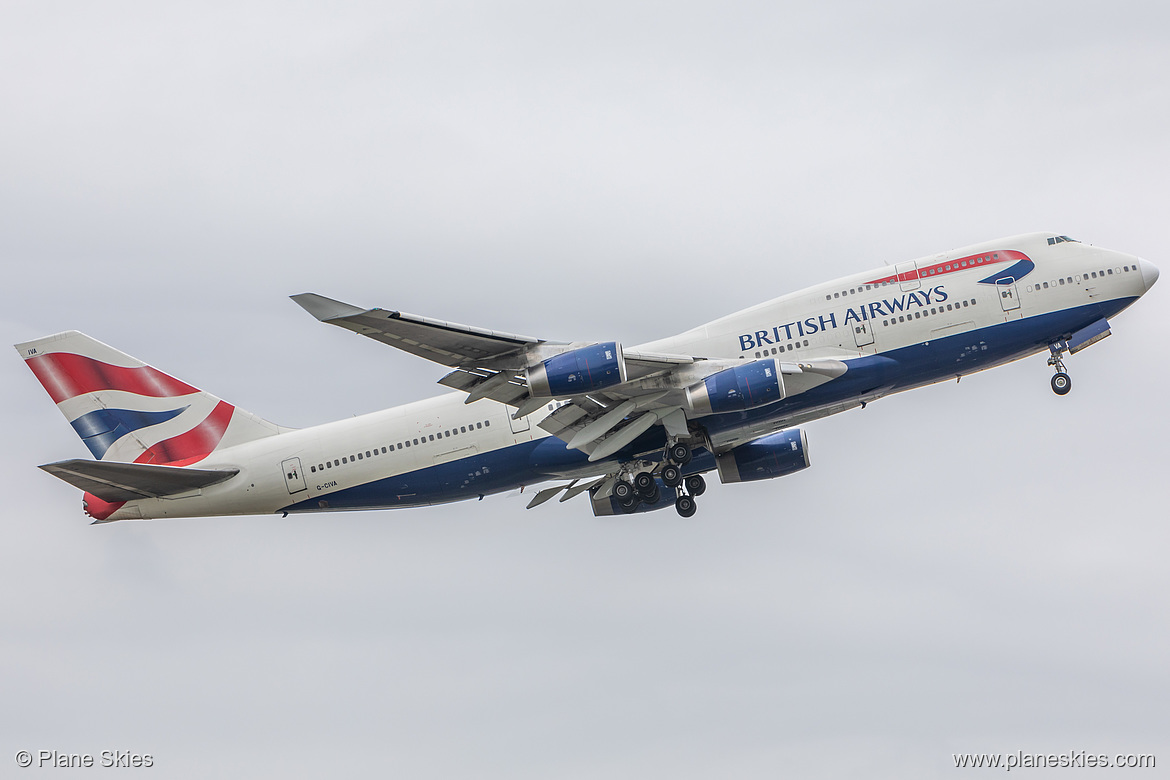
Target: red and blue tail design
[{"x": 125, "y": 410}]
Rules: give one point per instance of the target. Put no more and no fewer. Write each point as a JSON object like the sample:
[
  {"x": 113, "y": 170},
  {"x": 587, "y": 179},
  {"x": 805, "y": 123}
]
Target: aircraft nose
[{"x": 1149, "y": 272}]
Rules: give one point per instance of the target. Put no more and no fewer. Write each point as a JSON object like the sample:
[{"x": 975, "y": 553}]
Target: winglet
[{"x": 325, "y": 309}]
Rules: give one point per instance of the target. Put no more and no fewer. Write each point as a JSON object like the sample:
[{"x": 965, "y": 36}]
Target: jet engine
[
  {"x": 735, "y": 389},
  {"x": 578, "y": 371},
  {"x": 772, "y": 456}
]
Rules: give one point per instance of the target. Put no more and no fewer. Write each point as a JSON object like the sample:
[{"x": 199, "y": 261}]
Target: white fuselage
[{"x": 933, "y": 321}]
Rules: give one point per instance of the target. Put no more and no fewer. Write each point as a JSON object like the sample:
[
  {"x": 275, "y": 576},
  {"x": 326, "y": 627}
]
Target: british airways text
[{"x": 865, "y": 311}]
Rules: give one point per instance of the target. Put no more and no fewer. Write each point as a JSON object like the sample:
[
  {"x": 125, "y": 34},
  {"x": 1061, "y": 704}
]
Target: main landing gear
[
  {"x": 678, "y": 455},
  {"x": 643, "y": 488},
  {"x": 685, "y": 503},
  {"x": 1061, "y": 382}
]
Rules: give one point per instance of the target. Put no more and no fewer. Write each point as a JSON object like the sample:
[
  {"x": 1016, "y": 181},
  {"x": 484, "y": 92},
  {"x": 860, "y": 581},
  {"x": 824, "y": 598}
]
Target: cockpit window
[{"x": 1061, "y": 240}]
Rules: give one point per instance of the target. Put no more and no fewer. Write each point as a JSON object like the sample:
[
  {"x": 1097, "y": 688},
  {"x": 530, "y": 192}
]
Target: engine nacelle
[
  {"x": 754, "y": 384},
  {"x": 578, "y": 371},
  {"x": 772, "y": 456}
]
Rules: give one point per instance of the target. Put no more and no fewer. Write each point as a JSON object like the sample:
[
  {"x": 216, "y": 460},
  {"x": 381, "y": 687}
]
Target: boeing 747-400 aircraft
[{"x": 634, "y": 428}]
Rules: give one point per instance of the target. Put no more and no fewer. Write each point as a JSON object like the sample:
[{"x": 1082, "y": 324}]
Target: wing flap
[
  {"x": 505, "y": 386},
  {"x": 112, "y": 481}
]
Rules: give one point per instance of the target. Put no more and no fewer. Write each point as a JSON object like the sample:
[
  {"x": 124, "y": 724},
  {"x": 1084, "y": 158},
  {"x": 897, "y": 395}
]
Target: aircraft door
[
  {"x": 519, "y": 426},
  {"x": 1009, "y": 295},
  {"x": 908, "y": 275},
  {"x": 294, "y": 479},
  {"x": 863, "y": 333}
]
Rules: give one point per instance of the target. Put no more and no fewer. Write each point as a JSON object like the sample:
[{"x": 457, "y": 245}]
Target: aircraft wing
[
  {"x": 647, "y": 389},
  {"x": 447, "y": 343},
  {"x": 112, "y": 481}
]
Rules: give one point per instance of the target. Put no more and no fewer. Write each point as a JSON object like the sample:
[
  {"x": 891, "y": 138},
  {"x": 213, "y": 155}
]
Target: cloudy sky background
[{"x": 972, "y": 567}]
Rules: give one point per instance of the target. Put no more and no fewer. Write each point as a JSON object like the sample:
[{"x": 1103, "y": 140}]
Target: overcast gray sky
[{"x": 972, "y": 567}]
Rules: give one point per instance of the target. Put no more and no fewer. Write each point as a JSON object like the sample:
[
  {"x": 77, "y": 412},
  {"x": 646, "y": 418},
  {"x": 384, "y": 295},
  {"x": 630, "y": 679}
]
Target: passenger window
[
  {"x": 416, "y": 442},
  {"x": 1045, "y": 285},
  {"x": 1061, "y": 281},
  {"x": 312, "y": 469},
  {"x": 487, "y": 423},
  {"x": 479, "y": 425},
  {"x": 345, "y": 460},
  {"x": 806, "y": 342},
  {"x": 336, "y": 462},
  {"x": 1111, "y": 272},
  {"x": 359, "y": 456},
  {"x": 836, "y": 295},
  {"x": 408, "y": 442},
  {"x": 328, "y": 464}
]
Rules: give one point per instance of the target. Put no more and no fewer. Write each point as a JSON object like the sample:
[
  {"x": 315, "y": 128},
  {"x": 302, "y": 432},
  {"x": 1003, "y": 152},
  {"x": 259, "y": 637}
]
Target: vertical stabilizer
[{"x": 127, "y": 411}]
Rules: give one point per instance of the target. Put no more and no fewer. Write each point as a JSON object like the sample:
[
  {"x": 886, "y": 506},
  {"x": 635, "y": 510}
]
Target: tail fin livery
[{"x": 127, "y": 411}]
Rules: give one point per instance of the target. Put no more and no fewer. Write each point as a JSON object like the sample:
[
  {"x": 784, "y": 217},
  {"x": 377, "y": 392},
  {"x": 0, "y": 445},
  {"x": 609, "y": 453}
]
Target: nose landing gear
[{"x": 1061, "y": 382}]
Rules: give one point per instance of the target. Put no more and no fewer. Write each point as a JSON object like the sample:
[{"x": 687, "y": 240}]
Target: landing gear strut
[{"x": 1061, "y": 382}]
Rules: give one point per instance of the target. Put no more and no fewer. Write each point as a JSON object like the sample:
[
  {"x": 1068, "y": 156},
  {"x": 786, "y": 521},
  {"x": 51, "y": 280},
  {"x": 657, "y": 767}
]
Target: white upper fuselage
[{"x": 442, "y": 449}]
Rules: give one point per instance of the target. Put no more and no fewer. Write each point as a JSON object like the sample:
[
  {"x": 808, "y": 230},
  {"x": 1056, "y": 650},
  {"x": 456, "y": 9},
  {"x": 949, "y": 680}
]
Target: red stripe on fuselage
[
  {"x": 194, "y": 445},
  {"x": 65, "y": 375},
  {"x": 982, "y": 259}
]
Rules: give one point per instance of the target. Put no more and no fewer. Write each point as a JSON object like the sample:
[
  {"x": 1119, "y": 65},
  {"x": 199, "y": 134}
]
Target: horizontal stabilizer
[{"x": 113, "y": 482}]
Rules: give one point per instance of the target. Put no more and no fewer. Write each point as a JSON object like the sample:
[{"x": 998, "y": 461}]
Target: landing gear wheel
[
  {"x": 623, "y": 491},
  {"x": 1061, "y": 383},
  {"x": 628, "y": 505},
  {"x": 652, "y": 498},
  {"x": 695, "y": 484},
  {"x": 644, "y": 483},
  {"x": 671, "y": 475},
  {"x": 680, "y": 453},
  {"x": 685, "y": 506}
]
